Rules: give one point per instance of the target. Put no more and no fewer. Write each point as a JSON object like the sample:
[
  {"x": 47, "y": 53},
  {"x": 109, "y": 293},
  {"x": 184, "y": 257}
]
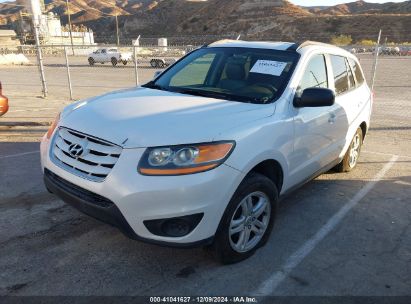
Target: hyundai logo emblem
[{"x": 76, "y": 150}]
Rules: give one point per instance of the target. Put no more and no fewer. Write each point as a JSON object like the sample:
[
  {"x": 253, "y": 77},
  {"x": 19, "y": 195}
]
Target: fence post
[
  {"x": 68, "y": 73},
  {"x": 374, "y": 68},
  {"x": 135, "y": 65},
  {"x": 40, "y": 61}
]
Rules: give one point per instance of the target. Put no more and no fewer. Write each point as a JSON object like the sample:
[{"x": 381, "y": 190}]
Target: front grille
[
  {"x": 79, "y": 192},
  {"x": 94, "y": 162}
]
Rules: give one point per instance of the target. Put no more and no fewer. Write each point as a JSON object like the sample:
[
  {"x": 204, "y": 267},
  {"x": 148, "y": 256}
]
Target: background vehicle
[
  {"x": 112, "y": 55},
  {"x": 4, "y": 102},
  {"x": 405, "y": 51},
  {"x": 162, "y": 62}
]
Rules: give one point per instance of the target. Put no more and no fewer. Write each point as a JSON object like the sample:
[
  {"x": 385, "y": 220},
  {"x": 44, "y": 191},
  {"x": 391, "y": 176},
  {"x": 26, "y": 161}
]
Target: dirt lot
[{"x": 341, "y": 234}]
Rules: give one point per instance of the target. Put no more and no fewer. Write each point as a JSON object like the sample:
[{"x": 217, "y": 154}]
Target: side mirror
[
  {"x": 156, "y": 74},
  {"x": 315, "y": 97}
]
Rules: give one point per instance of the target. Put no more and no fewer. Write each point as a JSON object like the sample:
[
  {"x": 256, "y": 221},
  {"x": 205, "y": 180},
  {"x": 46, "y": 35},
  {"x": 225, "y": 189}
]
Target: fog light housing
[{"x": 174, "y": 227}]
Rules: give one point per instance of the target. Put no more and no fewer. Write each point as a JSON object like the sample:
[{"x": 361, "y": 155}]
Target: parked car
[
  {"x": 4, "y": 102},
  {"x": 162, "y": 62},
  {"x": 201, "y": 154},
  {"x": 112, "y": 55},
  {"x": 405, "y": 51}
]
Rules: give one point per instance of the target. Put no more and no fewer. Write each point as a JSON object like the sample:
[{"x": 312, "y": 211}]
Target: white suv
[{"x": 201, "y": 154}]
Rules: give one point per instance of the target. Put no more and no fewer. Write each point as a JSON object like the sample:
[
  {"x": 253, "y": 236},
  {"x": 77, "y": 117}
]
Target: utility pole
[
  {"x": 40, "y": 57},
  {"x": 70, "y": 28},
  {"x": 118, "y": 38},
  {"x": 374, "y": 68}
]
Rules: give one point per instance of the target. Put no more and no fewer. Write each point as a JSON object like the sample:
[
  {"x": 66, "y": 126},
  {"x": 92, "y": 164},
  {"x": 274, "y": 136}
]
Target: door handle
[{"x": 332, "y": 117}]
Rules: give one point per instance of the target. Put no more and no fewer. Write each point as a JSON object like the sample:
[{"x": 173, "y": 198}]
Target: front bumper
[{"x": 130, "y": 199}]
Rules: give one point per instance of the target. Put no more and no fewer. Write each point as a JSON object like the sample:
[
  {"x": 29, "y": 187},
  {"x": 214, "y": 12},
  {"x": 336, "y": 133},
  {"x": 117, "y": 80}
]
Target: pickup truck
[{"x": 112, "y": 55}]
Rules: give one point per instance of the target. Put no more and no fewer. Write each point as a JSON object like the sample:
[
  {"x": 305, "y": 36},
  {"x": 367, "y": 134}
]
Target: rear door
[
  {"x": 351, "y": 97},
  {"x": 104, "y": 56}
]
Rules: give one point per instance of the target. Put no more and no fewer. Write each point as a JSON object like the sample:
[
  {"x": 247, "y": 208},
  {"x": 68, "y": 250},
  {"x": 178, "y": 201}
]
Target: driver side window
[{"x": 315, "y": 75}]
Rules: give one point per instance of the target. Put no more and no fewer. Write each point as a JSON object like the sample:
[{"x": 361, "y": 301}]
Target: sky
[
  {"x": 334, "y": 2},
  {"x": 317, "y": 2}
]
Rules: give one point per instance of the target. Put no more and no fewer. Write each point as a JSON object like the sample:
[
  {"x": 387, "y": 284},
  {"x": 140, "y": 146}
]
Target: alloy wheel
[{"x": 249, "y": 222}]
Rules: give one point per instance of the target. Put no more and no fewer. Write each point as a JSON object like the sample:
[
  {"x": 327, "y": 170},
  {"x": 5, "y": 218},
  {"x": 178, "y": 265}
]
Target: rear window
[
  {"x": 357, "y": 71},
  {"x": 340, "y": 74}
]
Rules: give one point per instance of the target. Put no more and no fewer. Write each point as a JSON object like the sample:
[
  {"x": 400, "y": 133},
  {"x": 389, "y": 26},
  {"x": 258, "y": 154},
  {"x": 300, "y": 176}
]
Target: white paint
[
  {"x": 19, "y": 154},
  {"x": 269, "y": 67},
  {"x": 385, "y": 154},
  {"x": 269, "y": 285}
]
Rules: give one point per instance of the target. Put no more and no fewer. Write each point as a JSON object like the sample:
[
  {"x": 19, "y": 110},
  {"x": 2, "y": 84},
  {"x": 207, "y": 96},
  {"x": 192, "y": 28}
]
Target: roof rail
[{"x": 299, "y": 45}]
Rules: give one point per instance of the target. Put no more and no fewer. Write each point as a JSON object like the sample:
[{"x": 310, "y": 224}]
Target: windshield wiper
[
  {"x": 217, "y": 95},
  {"x": 206, "y": 93}
]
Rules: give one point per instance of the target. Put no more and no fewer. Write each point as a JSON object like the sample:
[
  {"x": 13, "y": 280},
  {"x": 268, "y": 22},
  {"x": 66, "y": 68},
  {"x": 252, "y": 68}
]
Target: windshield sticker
[{"x": 269, "y": 67}]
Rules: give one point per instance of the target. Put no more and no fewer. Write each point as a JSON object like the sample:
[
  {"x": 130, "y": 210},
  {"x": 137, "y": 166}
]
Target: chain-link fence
[
  {"x": 83, "y": 71},
  {"x": 79, "y": 71},
  {"x": 74, "y": 72}
]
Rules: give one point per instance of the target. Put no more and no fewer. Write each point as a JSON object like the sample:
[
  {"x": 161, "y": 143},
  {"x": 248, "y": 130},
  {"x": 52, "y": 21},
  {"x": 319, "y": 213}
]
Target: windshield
[{"x": 240, "y": 74}]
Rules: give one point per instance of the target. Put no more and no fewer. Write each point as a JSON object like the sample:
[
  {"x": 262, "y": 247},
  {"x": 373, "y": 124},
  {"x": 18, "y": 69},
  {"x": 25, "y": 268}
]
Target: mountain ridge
[{"x": 255, "y": 19}]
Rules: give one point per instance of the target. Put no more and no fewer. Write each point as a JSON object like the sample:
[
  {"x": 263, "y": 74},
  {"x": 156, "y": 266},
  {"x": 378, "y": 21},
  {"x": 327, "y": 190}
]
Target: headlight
[
  {"x": 184, "y": 159},
  {"x": 53, "y": 126}
]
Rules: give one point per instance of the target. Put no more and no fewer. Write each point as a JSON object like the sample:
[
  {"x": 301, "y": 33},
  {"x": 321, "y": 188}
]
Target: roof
[
  {"x": 7, "y": 33},
  {"x": 281, "y": 46}
]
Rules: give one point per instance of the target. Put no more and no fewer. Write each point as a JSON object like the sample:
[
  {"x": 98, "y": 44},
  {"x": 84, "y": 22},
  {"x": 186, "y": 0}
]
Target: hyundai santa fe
[{"x": 201, "y": 154}]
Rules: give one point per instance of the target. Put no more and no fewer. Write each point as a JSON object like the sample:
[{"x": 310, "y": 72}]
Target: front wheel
[
  {"x": 351, "y": 157},
  {"x": 114, "y": 61},
  {"x": 248, "y": 219},
  {"x": 91, "y": 61},
  {"x": 125, "y": 62}
]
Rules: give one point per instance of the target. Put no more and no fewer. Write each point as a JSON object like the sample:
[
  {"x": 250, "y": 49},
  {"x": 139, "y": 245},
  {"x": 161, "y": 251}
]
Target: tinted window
[
  {"x": 350, "y": 75},
  {"x": 315, "y": 75},
  {"x": 340, "y": 74},
  {"x": 357, "y": 71}
]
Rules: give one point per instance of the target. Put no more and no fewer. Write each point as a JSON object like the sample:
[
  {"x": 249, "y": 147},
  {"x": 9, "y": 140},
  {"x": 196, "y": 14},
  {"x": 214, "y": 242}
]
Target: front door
[{"x": 313, "y": 127}]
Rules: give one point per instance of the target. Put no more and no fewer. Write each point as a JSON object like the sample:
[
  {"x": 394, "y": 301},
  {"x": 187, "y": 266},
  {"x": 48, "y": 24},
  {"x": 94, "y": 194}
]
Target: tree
[{"x": 341, "y": 40}]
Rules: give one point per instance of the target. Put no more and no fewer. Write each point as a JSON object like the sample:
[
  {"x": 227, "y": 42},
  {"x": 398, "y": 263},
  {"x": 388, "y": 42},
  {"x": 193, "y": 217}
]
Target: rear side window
[
  {"x": 315, "y": 75},
  {"x": 357, "y": 71},
  {"x": 350, "y": 76},
  {"x": 340, "y": 74}
]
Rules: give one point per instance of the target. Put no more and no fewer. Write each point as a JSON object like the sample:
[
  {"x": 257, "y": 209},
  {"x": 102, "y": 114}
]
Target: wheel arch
[
  {"x": 364, "y": 129},
  {"x": 272, "y": 169}
]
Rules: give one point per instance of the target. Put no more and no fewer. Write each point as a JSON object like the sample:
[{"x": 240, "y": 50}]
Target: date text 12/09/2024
[{"x": 238, "y": 299}]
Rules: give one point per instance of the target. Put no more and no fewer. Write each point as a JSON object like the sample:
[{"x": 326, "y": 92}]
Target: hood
[{"x": 141, "y": 117}]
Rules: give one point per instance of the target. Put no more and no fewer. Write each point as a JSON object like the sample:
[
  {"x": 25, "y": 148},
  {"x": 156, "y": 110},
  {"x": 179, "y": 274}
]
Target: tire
[
  {"x": 153, "y": 63},
  {"x": 161, "y": 63},
  {"x": 91, "y": 61},
  {"x": 352, "y": 155},
  {"x": 125, "y": 62},
  {"x": 114, "y": 61},
  {"x": 227, "y": 247}
]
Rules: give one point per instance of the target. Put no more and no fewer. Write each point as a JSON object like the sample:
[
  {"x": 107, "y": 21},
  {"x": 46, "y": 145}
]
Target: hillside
[
  {"x": 254, "y": 19},
  {"x": 362, "y": 7}
]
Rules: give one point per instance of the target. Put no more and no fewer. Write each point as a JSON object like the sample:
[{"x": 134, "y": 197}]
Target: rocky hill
[
  {"x": 254, "y": 19},
  {"x": 362, "y": 7}
]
